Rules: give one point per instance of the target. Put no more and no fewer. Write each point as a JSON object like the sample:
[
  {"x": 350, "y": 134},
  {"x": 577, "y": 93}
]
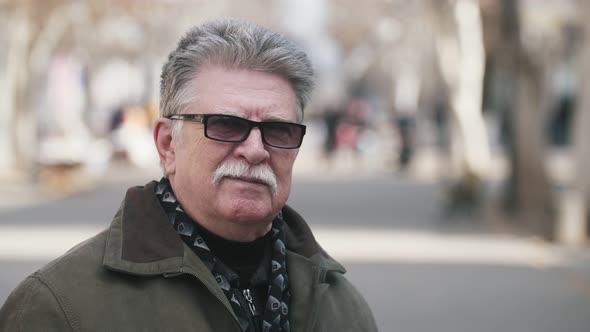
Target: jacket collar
[
  {"x": 141, "y": 241},
  {"x": 138, "y": 241},
  {"x": 300, "y": 240}
]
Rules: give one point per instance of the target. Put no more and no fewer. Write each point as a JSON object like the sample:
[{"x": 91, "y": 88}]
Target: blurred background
[{"x": 443, "y": 165}]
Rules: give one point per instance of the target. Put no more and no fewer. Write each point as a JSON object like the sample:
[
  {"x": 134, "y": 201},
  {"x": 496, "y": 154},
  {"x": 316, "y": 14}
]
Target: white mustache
[{"x": 240, "y": 168}]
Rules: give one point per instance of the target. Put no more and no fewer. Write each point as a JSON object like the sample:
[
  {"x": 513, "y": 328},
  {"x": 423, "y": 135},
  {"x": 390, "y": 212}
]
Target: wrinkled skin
[{"x": 236, "y": 209}]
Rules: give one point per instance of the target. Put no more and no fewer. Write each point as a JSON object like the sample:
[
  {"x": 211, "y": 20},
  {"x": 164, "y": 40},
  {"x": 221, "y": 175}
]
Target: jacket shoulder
[
  {"x": 86, "y": 257},
  {"x": 33, "y": 306},
  {"x": 45, "y": 300}
]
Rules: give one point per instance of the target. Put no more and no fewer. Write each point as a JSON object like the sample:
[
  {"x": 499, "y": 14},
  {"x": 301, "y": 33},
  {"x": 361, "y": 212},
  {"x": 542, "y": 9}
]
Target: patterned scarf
[{"x": 275, "y": 316}]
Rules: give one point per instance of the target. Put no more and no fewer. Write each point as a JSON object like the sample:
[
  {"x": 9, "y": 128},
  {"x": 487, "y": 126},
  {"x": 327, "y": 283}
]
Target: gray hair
[{"x": 233, "y": 44}]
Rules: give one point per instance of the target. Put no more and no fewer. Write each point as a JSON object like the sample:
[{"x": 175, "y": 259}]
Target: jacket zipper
[
  {"x": 182, "y": 271},
  {"x": 254, "y": 319},
  {"x": 248, "y": 297}
]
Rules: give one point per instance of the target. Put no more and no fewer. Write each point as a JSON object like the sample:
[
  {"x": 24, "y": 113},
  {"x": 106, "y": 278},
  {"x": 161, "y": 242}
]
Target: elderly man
[{"x": 212, "y": 245}]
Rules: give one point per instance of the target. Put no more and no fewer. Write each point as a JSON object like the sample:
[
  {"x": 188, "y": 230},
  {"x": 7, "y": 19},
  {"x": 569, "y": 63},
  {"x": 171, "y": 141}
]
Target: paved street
[{"x": 418, "y": 273}]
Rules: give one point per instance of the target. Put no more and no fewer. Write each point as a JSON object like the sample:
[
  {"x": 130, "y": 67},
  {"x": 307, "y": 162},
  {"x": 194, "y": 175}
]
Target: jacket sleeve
[
  {"x": 360, "y": 309},
  {"x": 32, "y": 306}
]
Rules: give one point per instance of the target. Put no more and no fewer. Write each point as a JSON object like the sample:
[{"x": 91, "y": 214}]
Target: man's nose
[{"x": 253, "y": 148}]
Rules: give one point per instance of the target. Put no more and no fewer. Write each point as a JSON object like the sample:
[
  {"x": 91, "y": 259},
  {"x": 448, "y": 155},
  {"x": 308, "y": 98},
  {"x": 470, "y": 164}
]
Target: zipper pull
[{"x": 248, "y": 297}]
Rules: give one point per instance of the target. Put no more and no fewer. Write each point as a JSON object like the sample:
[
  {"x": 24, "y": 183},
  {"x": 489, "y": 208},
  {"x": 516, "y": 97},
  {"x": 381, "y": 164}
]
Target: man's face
[{"x": 233, "y": 204}]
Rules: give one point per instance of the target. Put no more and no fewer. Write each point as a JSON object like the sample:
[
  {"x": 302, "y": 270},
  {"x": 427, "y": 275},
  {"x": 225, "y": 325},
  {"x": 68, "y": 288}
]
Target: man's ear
[{"x": 163, "y": 140}]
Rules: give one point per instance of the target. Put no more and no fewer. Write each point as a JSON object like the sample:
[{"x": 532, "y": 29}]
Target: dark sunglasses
[{"x": 233, "y": 129}]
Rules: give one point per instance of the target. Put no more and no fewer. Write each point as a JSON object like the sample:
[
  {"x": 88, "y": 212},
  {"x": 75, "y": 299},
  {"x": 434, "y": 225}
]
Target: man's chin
[
  {"x": 251, "y": 214},
  {"x": 246, "y": 201}
]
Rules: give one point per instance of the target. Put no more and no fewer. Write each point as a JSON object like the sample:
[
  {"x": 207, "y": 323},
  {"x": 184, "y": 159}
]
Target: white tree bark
[
  {"x": 467, "y": 98},
  {"x": 462, "y": 60},
  {"x": 10, "y": 75}
]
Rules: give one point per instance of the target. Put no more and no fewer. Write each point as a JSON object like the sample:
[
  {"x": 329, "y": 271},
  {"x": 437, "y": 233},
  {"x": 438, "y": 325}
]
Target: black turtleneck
[{"x": 242, "y": 257}]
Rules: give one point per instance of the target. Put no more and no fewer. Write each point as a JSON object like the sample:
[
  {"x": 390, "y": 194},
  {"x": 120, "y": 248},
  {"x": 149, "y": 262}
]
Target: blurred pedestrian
[
  {"x": 406, "y": 106},
  {"x": 212, "y": 245},
  {"x": 332, "y": 117},
  {"x": 563, "y": 110}
]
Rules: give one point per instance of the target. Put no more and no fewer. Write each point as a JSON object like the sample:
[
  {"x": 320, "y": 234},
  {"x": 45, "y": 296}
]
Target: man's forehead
[
  {"x": 266, "y": 116},
  {"x": 242, "y": 92}
]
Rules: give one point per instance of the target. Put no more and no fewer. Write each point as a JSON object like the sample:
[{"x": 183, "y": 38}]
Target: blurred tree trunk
[
  {"x": 9, "y": 57},
  {"x": 14, "y": 79},
  {"x": 530, "y": 191},
  {"x": 36, "y": 28},
  {"x": 461, "y": 58},
  {"x": 577, "y": 229}
]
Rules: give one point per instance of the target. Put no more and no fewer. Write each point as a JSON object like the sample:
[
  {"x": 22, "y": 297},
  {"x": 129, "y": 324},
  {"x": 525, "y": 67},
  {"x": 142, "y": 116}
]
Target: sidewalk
[{"x": 20, "y": 190}]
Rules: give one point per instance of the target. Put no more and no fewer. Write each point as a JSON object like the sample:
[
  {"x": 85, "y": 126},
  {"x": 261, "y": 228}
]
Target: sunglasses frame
[{"x": 204, "y": 118}]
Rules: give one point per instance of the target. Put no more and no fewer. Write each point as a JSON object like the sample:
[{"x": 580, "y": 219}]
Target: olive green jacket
[{"x": 138, "y": 275}]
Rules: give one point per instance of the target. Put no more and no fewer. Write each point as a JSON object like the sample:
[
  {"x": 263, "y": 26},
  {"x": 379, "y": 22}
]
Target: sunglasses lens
[
  {"x": 227, "y": 128},
  {"x": 234, "y": 129},
  {"x": 285, "y": 135}
]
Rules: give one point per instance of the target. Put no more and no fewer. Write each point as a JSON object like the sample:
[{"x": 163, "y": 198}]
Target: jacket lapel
[
  {"x": 307, "y": 265},
  {"x": 304, "y": 282},
  {"x": 139, "y": 240},
  {"x": 307, "y": 280}
]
